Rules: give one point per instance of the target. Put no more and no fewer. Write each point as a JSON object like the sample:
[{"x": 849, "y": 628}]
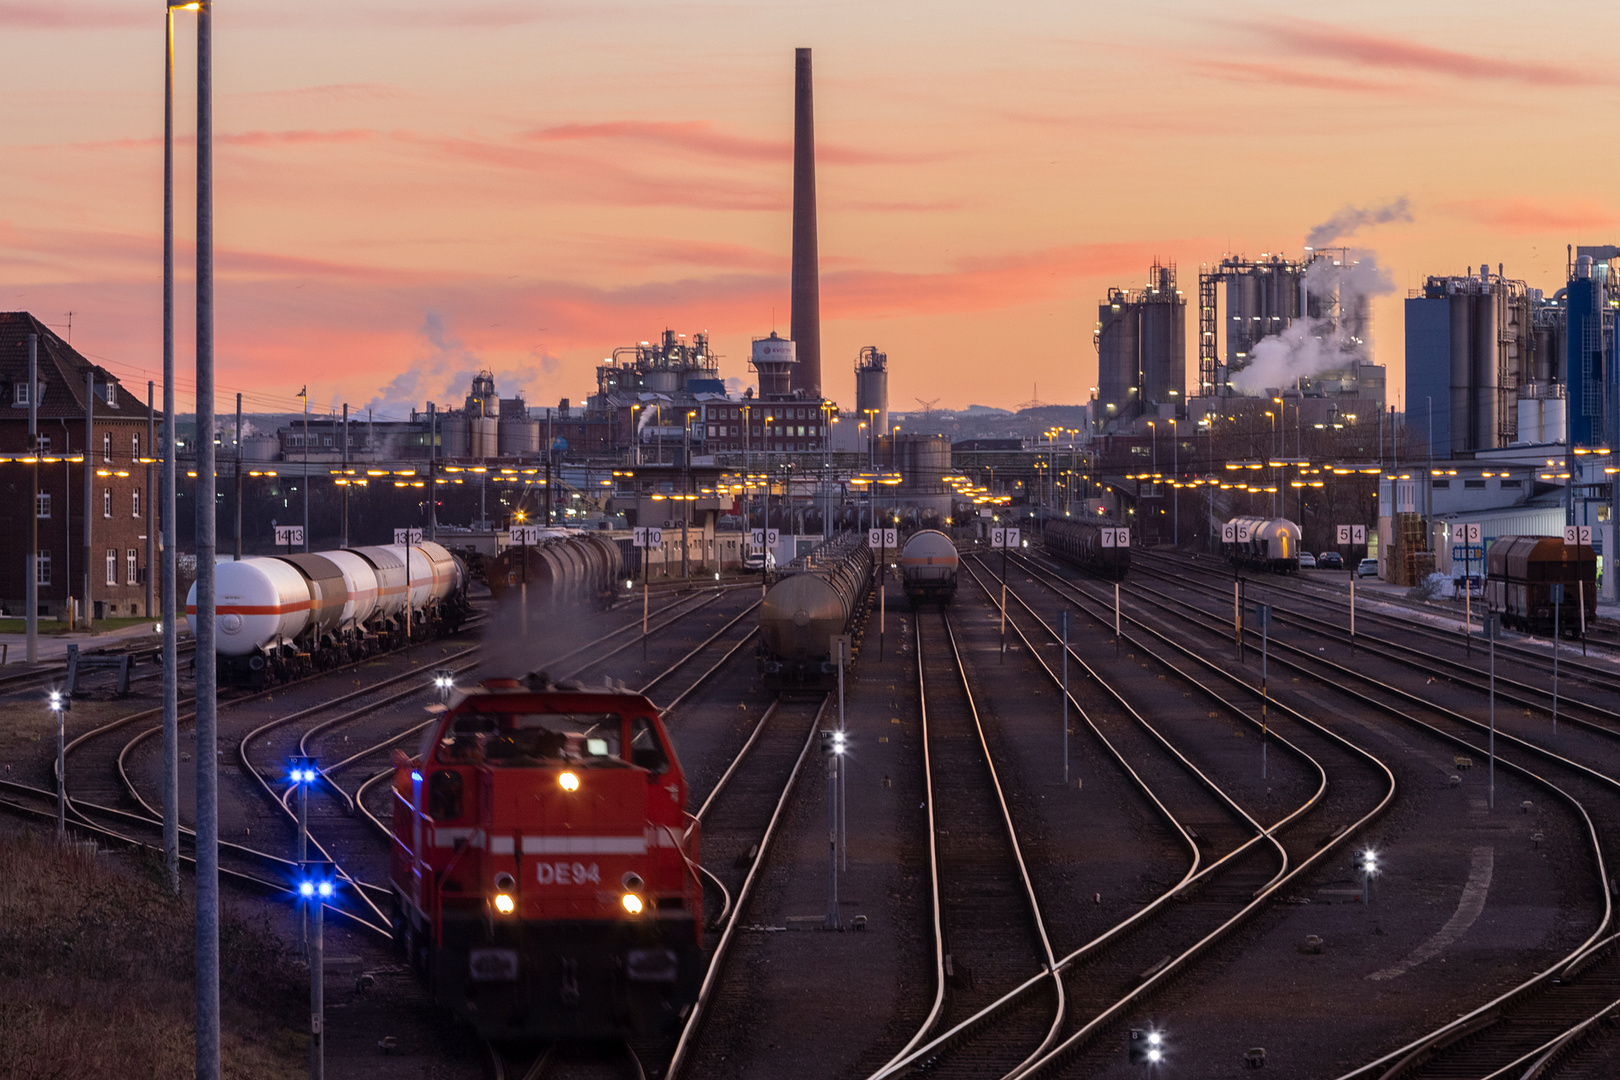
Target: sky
[{"x": 408, "y": 191}]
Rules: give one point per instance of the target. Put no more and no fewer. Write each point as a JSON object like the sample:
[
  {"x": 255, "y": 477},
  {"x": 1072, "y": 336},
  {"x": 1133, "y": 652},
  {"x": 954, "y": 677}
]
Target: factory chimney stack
[{"x": 806, "y": 318}]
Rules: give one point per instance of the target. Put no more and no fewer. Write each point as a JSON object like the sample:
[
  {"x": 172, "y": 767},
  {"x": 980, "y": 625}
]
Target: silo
[
  {"x": 773, "y": 358},
  {"x": 923, "y": 462},
  {"x": 1119, "y": 321},
  {"x": 518, "y": 435},
  {"x": 482, "y": 439},
  {"x": 1484, "y": 347},
  {"x": 1164, "y": 339},
  {"x": 453, "y": 435},
  {"x": 1462, "y": 374},
  {"x": 872, "y": 388}
]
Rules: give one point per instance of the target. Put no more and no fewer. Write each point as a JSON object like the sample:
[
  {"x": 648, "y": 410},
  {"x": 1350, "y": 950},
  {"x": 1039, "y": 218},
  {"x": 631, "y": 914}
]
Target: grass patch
[
  {"x": 57, "y": 626},
  {"x": 96, "y": 975}
]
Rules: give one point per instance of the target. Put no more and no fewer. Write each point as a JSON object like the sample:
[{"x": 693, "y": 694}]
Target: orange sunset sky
[{"x": 408, "y": 191}]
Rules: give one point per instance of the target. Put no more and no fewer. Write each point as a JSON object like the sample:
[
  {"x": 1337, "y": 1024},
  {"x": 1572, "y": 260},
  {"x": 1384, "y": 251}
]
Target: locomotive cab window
[
  {"x": 526, "y": 739},
  {"x": 646, "y": 748},
  {"x": 444, "y": 796}
]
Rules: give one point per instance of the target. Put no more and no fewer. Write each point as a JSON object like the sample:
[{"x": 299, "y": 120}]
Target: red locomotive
[{"x": 545, "y": 877}]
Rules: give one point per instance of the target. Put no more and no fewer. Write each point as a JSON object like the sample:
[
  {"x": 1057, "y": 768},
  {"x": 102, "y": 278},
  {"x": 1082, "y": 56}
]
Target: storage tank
[
  {"x": 923, "y": 462},
  {"x": 872, "y": 389},
  {"x": 453, "y": 435},
  {"x": 1119, "y": 327},
  {"x": 482, "y": 437},
  {"x": 258, "y": 601},
  {"x": 519, "y": 436}
]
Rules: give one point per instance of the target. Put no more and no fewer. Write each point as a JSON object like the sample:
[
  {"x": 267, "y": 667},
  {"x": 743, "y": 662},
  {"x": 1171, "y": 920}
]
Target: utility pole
[
  {"x": 304, "y": 393},
  {"x": 239, "y": 477},
  {"x": 343, "y": 540},
  {"x": 89, "y": 478},
  {"x": 31, "y": 573},
  {"x": 207, "y": 697},
  {"x": 151, "y": 520}
]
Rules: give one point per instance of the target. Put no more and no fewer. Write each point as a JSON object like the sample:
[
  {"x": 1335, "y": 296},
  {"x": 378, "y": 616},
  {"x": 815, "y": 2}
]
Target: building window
[
  {"x": 42, "y": 443},
  {"x": 112, "y": 566},
  {"x": 106, "y": 446},
  {"x": 42, "y": 568},
  {"x": 130, "y": 574},
  {"x": 42, "y": 504},
  {"x": 1513, "y": 483},
  {"x": 135, "y": 448},
  {"x": 137, "y": 500},
  {"x": 1477, "y": 484},
  {"x": 20, "y": 394},
  {"x": 1442, "y": 485},
  {"x": 106, "y": 502}
]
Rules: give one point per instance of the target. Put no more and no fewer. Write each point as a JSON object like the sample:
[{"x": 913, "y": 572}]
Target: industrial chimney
[{"x": 805, "y": 326}]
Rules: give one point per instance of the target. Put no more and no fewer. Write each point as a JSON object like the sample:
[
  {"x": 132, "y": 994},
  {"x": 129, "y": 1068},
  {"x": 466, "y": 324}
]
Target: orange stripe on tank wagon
[{"x": 255, "y": 609}]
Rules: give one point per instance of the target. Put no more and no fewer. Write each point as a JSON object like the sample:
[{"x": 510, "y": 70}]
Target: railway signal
[
  {"x": 61, "y": 703},
  {"x": 302, "y": 772},
  {"x": 316, "y": 887},
  {"x": 1555, "y": 593},
  {"x": 832, "y": 748},
  {"x": 646, "y": 538},
  {"x": 1145, "y": 1047}
]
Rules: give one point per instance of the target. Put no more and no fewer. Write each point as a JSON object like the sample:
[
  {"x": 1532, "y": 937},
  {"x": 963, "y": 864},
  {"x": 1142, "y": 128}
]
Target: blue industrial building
[{"x": 1593, "y": 356}]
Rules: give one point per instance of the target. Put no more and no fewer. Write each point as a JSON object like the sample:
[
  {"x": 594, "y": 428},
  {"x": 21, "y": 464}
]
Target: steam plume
[
  {"x": 1309, "y": 346},
  {"x": 1351, "y": 219}
]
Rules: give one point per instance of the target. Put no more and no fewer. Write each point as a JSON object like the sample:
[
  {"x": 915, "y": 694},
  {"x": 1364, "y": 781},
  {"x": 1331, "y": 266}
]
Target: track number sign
[
  {"x": 1352, "y": 534},
  {"x": 1116, "y": 538},
  {"x": 407, "y": 536},
  {"x": 524, "y": 534},
  {"x": 1470, "y": 533},
  {"x": 1229, "y": 533},
  {"x": 1577, "y": 534},
  {"x": 290, "y": 534},
  {"x": 647, "y": 537},
  {"x": 1244, "y": 531},
  {"x": 1003, "y": 538}
]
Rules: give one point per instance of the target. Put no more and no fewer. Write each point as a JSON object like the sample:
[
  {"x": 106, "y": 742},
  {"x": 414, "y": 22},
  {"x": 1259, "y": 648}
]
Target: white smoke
[
  {"x": 1309, "y": 346},
  {"x": 444, "y": 372},
  {"x": 1349, "y": 221}
]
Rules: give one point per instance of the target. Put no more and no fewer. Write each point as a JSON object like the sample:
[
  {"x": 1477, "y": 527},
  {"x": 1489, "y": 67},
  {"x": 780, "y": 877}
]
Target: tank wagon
[
  {"x": 280, "y": 617},
  {"x": 928, "y": 566},
  {"x": 1518, "y": 570},
  {"x": 1272, "y": 544},
  {"x": 1081, "y": 543},
  {"x": 806, "y": 608},
  {"x": 544, "y": 874},
  {"x": 564, "y": 568}
]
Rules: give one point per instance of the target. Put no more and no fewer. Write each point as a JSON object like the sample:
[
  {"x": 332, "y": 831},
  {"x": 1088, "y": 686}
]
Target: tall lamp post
[
  {"x": 166, "y": 507},
  {"x": 207, "y": 685}
]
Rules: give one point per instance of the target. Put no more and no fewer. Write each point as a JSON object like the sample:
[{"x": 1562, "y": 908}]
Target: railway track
[
  {"x": 1542, "y": 1013},
  {"x": 988, "y": 929},
  {"x": 1107, "y": 984}
]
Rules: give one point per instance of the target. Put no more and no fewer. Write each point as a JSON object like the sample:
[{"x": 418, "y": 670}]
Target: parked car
[
  {"x": 1307, "y": 561},
  {"x": 1367, "y": 568},
  {"x": 1330, "y": 560}
]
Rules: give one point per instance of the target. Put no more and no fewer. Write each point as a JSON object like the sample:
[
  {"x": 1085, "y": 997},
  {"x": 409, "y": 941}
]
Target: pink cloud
[
  {"x": 1529, "y": 216},
  {"x": 1372, "y": 50},
  {"x": 1282, "y": 75},
  {"x": 699, "y": 137},
  {"x": 76, "y": 16}
]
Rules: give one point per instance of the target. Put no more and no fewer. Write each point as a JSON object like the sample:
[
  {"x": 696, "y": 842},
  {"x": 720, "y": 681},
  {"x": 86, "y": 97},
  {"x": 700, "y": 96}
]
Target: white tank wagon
[
  {"x": 280, "y": 617},
  {"x": 812, "y": 602},
  {"x": 928, "y": 568},
  {"x": 1265, "y": 544}
]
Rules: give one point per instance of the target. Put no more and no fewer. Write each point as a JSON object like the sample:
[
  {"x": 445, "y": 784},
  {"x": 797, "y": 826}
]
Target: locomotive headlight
[
  {"x": 568, "y": 781},
  {"x": 504, "y": 884},
  {"x": 631, "y": 902}
]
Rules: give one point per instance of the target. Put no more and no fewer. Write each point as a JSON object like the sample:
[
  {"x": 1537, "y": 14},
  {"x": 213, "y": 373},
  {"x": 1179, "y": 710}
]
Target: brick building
[{"x": 122, "y": 510}]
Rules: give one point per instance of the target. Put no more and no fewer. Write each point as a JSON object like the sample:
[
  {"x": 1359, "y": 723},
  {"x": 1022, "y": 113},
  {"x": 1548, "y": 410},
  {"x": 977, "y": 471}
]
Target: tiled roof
[{"x": 61, "y": 369}]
